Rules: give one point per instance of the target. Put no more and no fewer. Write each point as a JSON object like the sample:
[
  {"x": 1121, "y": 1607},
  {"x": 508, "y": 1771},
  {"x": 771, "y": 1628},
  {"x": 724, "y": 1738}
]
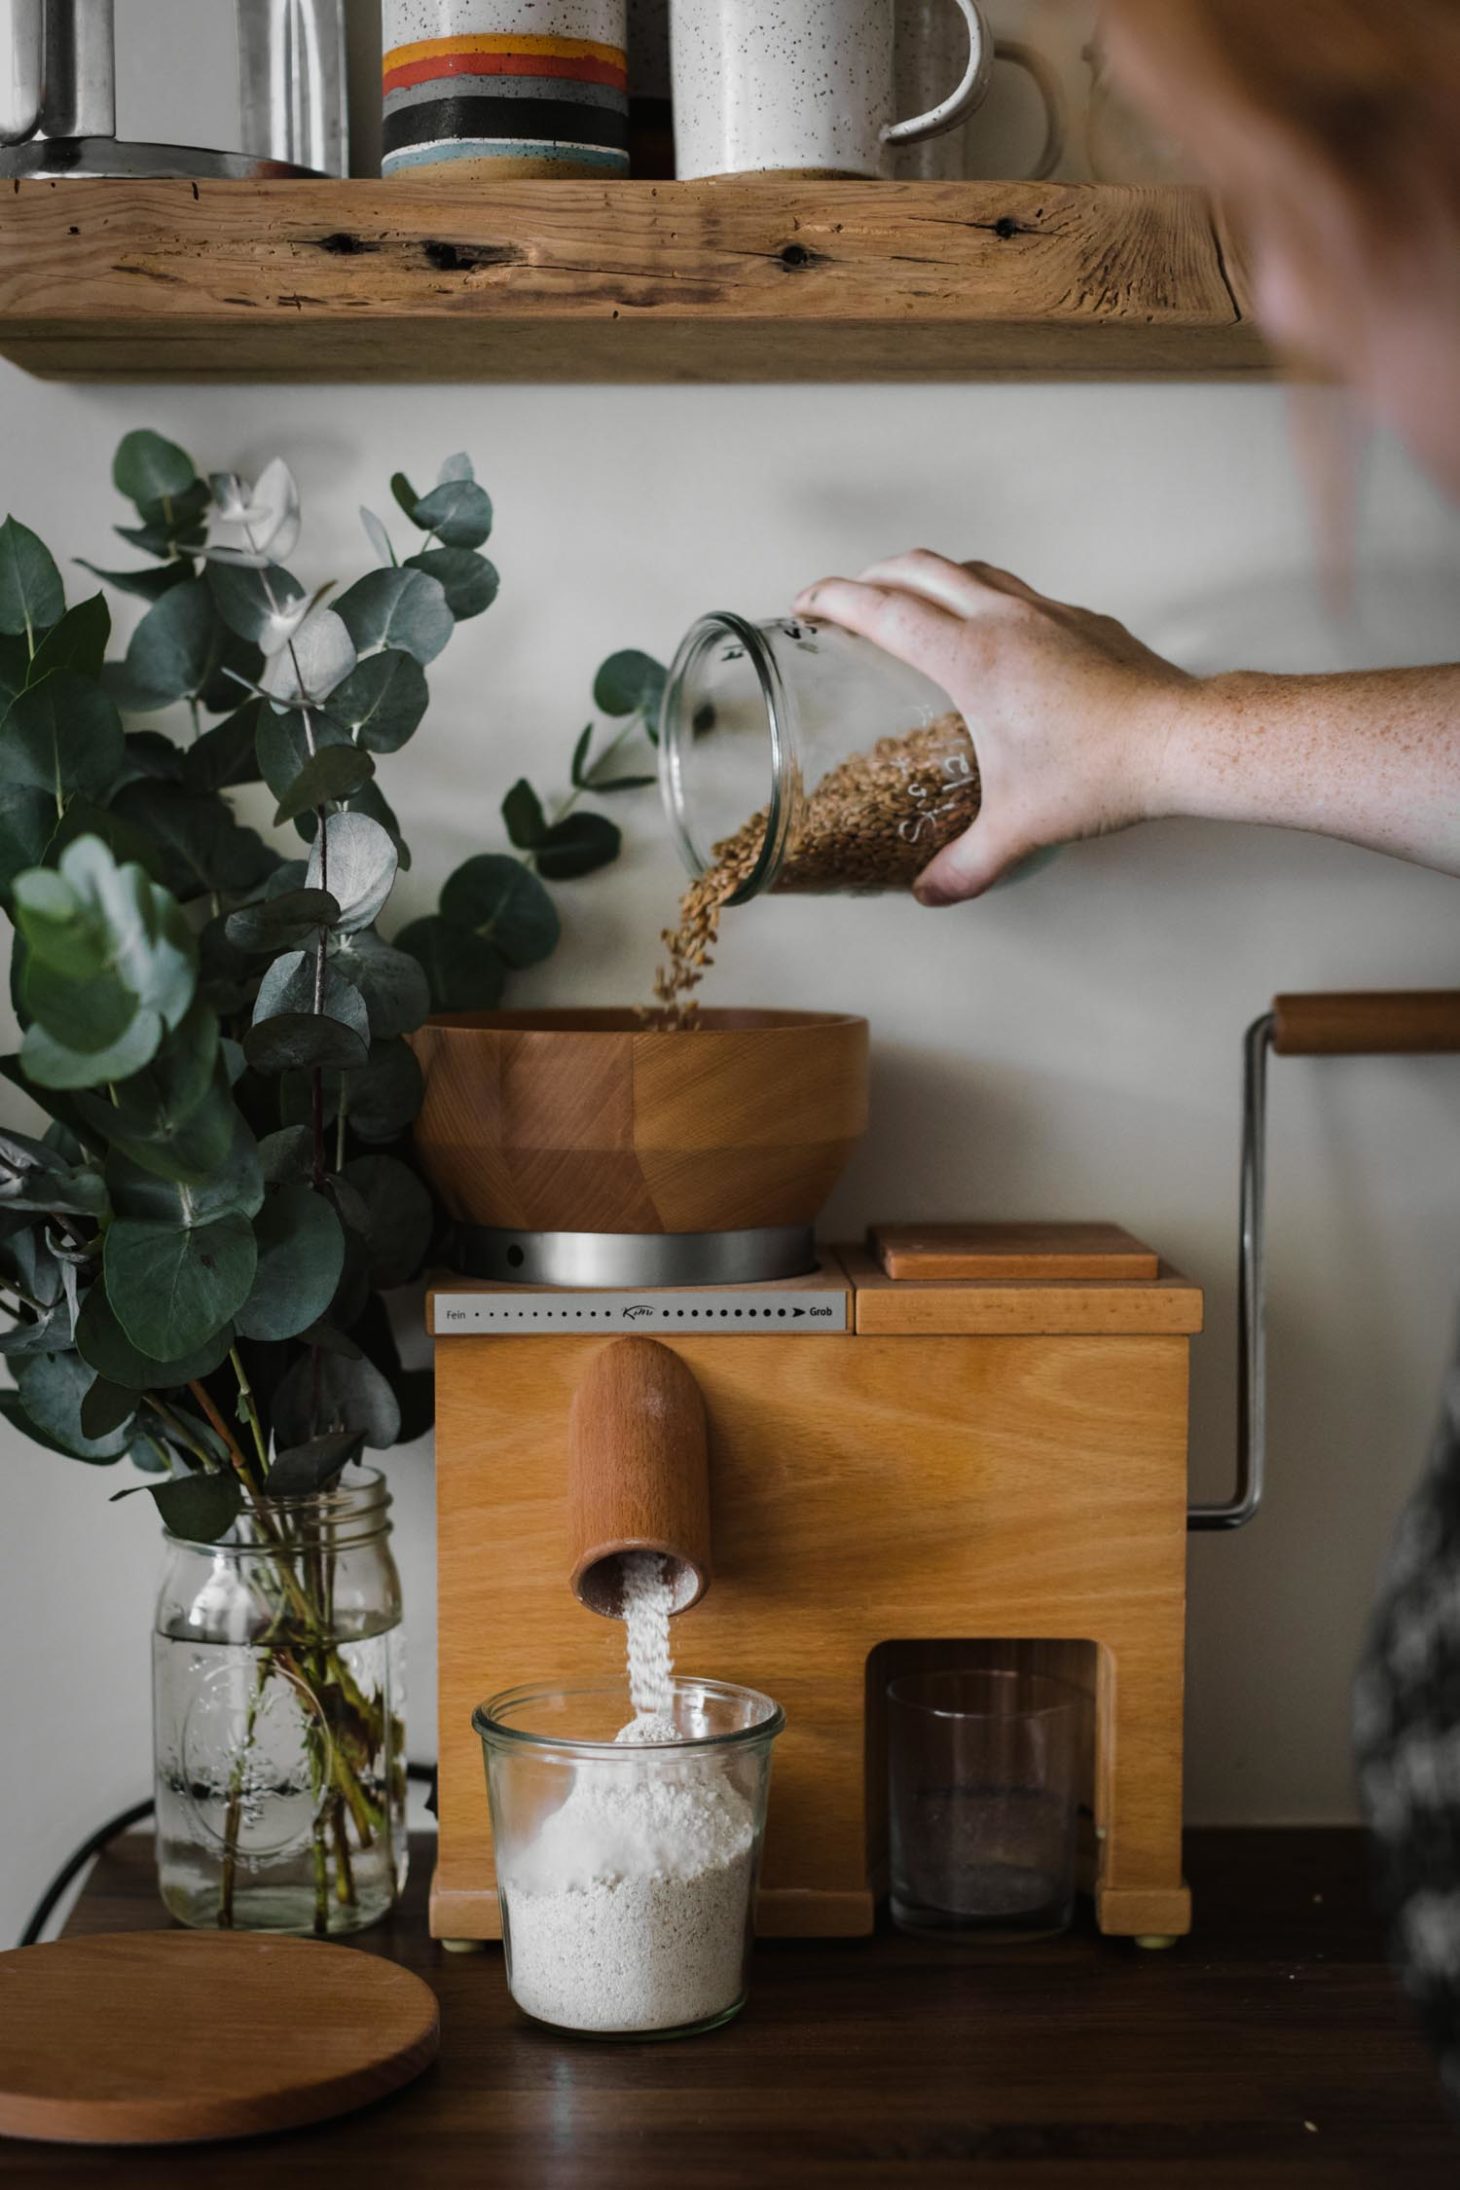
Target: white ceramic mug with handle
[{"x": 802, "y": 87}]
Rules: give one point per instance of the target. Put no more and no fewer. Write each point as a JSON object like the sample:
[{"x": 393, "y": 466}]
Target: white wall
[{"x": 1067, "y": 1049}]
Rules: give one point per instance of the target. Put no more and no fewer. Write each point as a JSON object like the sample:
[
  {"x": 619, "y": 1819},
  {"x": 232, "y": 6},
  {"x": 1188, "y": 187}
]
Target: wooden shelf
[{"x": 576, "y": 281}]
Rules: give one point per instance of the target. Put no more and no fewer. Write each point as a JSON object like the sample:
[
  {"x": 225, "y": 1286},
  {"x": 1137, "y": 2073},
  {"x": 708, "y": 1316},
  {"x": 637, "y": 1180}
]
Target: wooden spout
[{"x": 638, "y": 1473}]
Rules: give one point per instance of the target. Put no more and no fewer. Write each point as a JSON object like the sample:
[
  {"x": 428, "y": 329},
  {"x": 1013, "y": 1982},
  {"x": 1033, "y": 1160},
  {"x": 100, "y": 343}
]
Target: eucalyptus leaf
[
  {"x": 172, "y": 651},
  {"x": 578, "y": 846},
  {"x": 106, "y": 1348},
  {"x": 459, "y": 466},
  {"x": 105, "y": 1408},
  {"x": 29, "y": 1266},
  {"x": 287, "y": 1157},
  {"x": 395, "y": 990},
  {"x": 402, "y": 609},
  {"x": 254, "y": 525},
  {"x": 526, "y": 823},
  {"x": 334, "y": 773},
  {"x": 128, "y": 845},
  {"x": 225, "y": 975},
  {"x": 78, "y": 641},
  {"x": 469, "y": 582},
  {"x": 284, "y": 747},
  {"x": 458, "y": 511},
  {"x": 266, "y": 606},
  {"x": 14, "y": 668},
  {"x": 235, "y": 1187},
  {"x": 610, "y": 786},
  {"x": 290, "y": 988},
  {"x": 83, "y": 1015},
  {"x": 187, "y": 1152},
  {"x": 283, "y": 922},
  {"x": 201, "y": 848},
  {"x": 324, "y": 1335},
  {"x": 237, "y": 670},
  {"x": 630, "y": 683},
  {"x": 174, "y": 1289},
  {"x": 46, "y": 1333},
  {"x": 13, "y": 1412},
  {"x": 301, "y": 1252},
  {"x": 52, "y": 1388},
  {"x": 579, "y": 761},
  {"x": 306, "y": 1470},
  {"x": 400, "y": 1217},
  {"x": 378, "y": 537},
  {"x": 32, "y": 597},
  {"x": 373, "y": 804},
  {"x": 383, "y": 701},
  {"x": 383, "y": 1098},
  {"x": 306, "y": 671},
  {"x": 147, "y": 469},
  {"x": 151, "y": 757},
  {"x": 329, "y": 1393},
  {"x": 199, "y": 1508},
  {"x": 355, "y": 860},
  {"x": 226, "y": 755},
  {"x": 405, "y": 494},
  {"x": 462, "y": 972},
  {"x": 148, "y": 584},
  {"x": 95, "y": 918},
  {"x": 27, "y": 824},
  {"x": 62, "y": 736},
  {"x": 503, "y": 903},
  {"x": 350, "y": 1205},
  {"x": 49, "y": 1064},
  {"x": 302, "y": 1041}
]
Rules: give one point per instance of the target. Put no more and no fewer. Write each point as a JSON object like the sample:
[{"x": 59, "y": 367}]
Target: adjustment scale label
[{"x": 731, "y": 1313}]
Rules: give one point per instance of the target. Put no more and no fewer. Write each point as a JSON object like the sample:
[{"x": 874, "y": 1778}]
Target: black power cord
[{"x": 423, "y": 1774}]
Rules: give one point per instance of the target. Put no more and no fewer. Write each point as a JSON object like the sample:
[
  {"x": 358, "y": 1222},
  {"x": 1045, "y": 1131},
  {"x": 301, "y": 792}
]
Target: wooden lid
[
  {"x": 180, "y": 2037},
  {"x": 930, "y": 1252}
]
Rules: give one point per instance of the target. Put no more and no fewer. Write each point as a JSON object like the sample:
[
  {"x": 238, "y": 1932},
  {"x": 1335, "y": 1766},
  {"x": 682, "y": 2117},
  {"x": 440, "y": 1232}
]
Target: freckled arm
[{"x": 1372, "y": 757}]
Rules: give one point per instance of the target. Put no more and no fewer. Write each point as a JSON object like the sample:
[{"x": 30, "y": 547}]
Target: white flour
[
  {"x": 648, "y": 1600},
  {"x": 630, "y": 1910}
]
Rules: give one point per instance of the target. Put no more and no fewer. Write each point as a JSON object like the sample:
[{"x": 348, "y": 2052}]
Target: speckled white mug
[{"x": 801, "y": 87}]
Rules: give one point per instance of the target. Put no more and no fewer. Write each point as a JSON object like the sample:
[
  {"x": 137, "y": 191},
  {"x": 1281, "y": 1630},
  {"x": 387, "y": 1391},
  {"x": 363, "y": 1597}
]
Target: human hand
[{"x": 1070, "y": 716}]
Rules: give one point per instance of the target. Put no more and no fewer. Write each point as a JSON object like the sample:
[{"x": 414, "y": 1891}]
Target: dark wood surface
[{"x": 1269, "y": 2052}]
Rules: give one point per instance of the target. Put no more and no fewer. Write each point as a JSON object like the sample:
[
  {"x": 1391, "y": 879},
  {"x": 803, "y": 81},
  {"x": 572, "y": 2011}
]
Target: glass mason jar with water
[{"x": 278, "y": 1718}]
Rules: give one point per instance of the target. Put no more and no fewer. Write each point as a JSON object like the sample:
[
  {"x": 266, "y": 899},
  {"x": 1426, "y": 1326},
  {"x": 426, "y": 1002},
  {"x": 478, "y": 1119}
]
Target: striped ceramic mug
[{"x": 506, "y": 87}]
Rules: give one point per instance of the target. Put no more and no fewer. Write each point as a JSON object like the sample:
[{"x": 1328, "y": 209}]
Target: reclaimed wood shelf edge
[{"x": 583, "y": 281}]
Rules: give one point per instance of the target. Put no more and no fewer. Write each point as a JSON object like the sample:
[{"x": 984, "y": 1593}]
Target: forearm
[{"x": 1373, "y": 757}]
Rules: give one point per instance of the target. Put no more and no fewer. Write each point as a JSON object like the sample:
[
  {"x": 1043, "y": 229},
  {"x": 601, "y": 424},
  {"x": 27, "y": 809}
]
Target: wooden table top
[{"x": 1269, "y": 2050}]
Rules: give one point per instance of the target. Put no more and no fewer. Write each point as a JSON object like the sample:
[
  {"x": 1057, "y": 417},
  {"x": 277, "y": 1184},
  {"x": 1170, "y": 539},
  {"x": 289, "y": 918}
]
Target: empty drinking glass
[{"x": 983, "y": 1802}]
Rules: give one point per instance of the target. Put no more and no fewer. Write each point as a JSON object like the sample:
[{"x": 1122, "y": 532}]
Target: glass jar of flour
[
  {"x": 627, "y": 1854},
  {"x": 795, "y": 757}
]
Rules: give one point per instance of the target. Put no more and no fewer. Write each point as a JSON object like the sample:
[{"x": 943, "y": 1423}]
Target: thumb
[{"x": 972, "y": 864}]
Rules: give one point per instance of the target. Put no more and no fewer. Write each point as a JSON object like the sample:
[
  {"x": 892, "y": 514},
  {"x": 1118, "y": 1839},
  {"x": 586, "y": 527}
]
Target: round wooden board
[{"x": 178, "y": 2037}]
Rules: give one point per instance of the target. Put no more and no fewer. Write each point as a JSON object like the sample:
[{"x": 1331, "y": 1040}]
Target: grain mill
[{"x": 951, "y": 1439}]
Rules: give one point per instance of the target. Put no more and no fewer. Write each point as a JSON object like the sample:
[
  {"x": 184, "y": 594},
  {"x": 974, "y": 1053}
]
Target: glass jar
[
  {"x": 278, "y": 1700},
  {"x": 795, "y": 757},
  {"x": 627, "y": 1870}
]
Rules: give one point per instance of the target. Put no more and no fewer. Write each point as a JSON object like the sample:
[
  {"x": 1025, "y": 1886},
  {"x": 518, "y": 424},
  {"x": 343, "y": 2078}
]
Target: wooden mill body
[{"x": 1000, "y": 1458}]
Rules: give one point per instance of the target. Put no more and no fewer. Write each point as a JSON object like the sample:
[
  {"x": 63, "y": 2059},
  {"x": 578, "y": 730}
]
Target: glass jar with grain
[{"x": 797, "y": 758}]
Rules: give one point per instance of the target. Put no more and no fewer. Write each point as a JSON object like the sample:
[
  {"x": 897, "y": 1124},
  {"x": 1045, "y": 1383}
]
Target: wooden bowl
[{"x": 587, "y": 1121}]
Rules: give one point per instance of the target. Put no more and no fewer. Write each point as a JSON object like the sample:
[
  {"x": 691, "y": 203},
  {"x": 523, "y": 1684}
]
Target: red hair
[{"x": 1371, "y": 88}]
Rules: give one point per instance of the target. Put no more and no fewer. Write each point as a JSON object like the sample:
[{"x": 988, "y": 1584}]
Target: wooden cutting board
[
  {"x": 941, "y": 1253},
  {"x": 180, "y": 2037}
]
